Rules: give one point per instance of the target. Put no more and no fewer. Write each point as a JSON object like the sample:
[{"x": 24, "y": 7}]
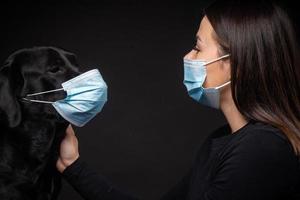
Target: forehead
[
  {"x": 29, "y": 56},
  {"x": 35, "y": 60},
  {"x": 205, "y": 31}
]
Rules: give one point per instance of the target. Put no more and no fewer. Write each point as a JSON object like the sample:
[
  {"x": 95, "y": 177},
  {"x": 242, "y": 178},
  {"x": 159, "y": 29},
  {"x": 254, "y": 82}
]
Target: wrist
[
  {"x": 70, "y": 161},
  {"x": 62, "y": 164}
]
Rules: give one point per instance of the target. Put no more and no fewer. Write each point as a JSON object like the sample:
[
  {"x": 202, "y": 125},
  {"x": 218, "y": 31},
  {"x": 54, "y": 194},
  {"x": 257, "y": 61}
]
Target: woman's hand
[{"x": 68, "y": 150}]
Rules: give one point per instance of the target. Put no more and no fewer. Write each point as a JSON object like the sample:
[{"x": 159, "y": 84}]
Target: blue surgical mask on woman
[
  {"x": 194, "y": 77},
  {"x": 86, "y": 96}
]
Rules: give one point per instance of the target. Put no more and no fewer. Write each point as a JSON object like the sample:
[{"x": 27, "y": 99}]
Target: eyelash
[{"x": 196, "y": 48}]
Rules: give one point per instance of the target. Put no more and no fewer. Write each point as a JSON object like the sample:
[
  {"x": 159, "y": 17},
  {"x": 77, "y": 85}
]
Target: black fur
[{"x": 30, "y": 133}]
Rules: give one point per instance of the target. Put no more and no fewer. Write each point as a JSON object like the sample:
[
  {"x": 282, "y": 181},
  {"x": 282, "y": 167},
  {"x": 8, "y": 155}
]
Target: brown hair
[{"x": 265, "y": 70}]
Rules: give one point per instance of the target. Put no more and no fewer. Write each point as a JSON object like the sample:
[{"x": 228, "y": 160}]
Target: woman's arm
[{"x": 91, "y": 185}]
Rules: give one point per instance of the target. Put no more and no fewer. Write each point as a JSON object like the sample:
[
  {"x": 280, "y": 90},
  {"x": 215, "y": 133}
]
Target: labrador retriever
[{"x": 30, "y": 133}]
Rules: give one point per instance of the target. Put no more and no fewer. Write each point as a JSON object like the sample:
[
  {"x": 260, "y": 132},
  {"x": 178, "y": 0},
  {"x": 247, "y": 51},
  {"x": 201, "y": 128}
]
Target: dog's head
[{"x": 29, "y": 71}]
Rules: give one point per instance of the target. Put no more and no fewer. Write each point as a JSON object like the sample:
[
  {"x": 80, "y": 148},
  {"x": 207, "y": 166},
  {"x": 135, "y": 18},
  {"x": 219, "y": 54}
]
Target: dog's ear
[
  {"x": 72, "y": 58},
  {"x": 10, "y": 110}
]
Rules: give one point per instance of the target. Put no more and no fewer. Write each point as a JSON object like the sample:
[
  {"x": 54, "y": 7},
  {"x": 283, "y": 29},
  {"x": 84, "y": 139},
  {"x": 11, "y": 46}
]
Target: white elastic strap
[
  {"x": 223, "y": 85},
  {"x": 38, "y": 101},
  {"x": 212, "y": 61},
  {"x": 49, "y": 91},
  {"x": 38, "y": 93}
]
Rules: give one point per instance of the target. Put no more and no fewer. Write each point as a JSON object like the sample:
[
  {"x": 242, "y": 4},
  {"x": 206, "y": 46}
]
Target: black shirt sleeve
[
  {"x": 180, "y": 190},
  {"x": 92, "y": 186},
  {"x": 258, "y": 164}
]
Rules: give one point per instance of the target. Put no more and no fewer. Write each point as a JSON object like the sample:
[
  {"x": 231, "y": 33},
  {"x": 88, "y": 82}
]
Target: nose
[{"x": 191, "y": 55}]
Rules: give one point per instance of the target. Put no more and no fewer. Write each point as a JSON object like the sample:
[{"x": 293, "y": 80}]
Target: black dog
[{"x": 30, "y": 133}]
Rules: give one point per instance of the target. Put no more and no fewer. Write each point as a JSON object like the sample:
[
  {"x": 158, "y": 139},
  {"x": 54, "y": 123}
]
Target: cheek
[
  {"x": 215, "y": 75},
  {"x": 205, "y": 55},
  {"x": 209, "y": 53}
]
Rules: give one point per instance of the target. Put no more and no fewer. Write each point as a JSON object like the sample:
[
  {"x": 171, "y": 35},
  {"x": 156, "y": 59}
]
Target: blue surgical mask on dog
[
  {"x": 86, "y": 96},
  {"x": 194, "y": 77}
]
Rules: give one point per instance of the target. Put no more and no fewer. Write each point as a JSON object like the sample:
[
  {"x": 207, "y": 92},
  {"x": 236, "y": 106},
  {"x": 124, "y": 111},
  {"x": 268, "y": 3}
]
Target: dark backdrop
[{"x": 146, "y": 137}]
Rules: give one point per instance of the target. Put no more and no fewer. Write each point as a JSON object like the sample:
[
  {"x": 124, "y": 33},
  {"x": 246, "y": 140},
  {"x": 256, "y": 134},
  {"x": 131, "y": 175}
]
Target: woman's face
[{"x": 207, "y": 49}]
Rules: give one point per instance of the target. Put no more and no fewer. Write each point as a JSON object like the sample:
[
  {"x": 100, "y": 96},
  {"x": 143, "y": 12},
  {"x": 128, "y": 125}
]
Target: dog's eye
[{"x": 54, "y": 69}]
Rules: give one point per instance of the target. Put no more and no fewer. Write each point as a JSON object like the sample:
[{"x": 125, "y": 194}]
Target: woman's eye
[{"x": 196, "y": 48}]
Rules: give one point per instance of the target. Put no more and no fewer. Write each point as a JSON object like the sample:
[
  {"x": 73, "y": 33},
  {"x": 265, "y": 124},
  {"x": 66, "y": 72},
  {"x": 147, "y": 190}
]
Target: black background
[{"x": 146, "y": 137}]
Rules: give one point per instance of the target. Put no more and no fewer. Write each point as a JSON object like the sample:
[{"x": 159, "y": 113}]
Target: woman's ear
[
  {"x": 10, "y": 110},
  {"x": 227, "y": 68}
]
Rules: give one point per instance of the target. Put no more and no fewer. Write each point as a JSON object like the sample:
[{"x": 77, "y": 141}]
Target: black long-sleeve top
[{"x": 256, "y": 162}]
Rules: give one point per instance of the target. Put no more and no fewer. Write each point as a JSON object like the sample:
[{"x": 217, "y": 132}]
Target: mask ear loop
[
  {"x": 223, "y": 85},
  {"x": 220, "y": 58},
  {"x": 39, "y": 93}
]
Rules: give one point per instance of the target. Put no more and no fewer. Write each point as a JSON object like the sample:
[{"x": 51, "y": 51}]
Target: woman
[{"x": 244, "y": 63}]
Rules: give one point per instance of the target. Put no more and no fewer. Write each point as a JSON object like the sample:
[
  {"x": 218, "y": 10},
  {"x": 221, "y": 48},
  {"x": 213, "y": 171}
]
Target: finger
[{"x": 70, "y": 131}]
